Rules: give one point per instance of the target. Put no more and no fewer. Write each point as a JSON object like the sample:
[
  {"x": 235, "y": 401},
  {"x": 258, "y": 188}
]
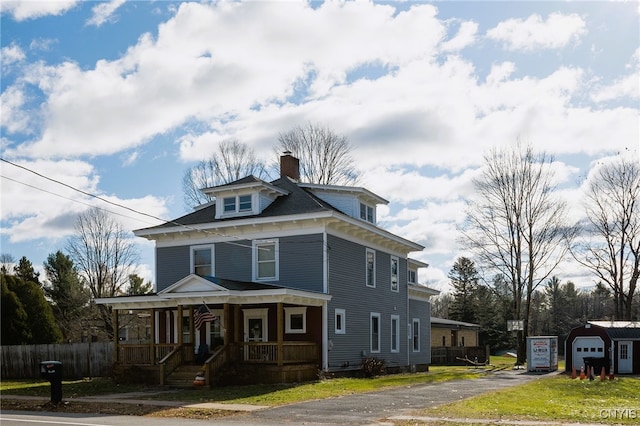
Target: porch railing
[
  {"x": 267, "y": 352},
  {"x": 148, "y": 355},
  {"x": 170, "y": 362}
]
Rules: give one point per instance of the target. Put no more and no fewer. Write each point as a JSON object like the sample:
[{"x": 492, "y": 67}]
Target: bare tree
[
  {"x": 516, "y": 227},
  {"x": 7, "y": 263},
  {"x": 611, "y": 244},
  {"x": 105, "y": 256},
  {"x": 234, "y": 160},
  {"x": 325, "y": 157}
]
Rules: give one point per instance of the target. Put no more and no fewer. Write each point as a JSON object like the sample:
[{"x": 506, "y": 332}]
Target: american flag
[{"x": 202, "y": 315}]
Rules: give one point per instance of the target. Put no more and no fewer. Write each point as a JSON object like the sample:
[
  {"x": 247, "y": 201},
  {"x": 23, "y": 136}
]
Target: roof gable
[{"x": 192, "y": 284}]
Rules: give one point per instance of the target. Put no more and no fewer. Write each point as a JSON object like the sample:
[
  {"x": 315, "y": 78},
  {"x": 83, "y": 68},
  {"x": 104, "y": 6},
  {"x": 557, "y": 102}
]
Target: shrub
[{"x": 372, "y": 367}]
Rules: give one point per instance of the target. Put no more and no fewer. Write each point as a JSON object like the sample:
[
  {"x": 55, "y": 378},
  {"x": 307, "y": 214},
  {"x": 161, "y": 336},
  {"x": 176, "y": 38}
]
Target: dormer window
[
  {"x": 366, "y": 213},
  {"x": 237, "y": 204}
]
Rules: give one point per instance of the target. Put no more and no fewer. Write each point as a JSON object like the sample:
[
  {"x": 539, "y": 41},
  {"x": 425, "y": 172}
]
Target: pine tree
[
  {"x": 464, "y": 279},
  {"x": 15, "y": 328}
]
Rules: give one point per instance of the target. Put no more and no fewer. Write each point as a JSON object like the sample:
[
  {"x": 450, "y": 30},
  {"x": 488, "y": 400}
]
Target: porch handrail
[
  {"x": 292, "y": 352},
  {"x": 170, "y": 362},
  {"x": 212, "y": 364}
]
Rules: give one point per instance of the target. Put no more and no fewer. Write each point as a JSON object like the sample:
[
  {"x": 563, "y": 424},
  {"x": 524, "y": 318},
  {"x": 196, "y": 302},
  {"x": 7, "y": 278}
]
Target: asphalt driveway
[{"x": 373, "y": 407}]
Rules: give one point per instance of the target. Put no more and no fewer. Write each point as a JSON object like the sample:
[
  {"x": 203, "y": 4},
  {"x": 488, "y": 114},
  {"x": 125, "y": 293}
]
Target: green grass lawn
[
  {"x": 254, "y": 394},
  {"x": 557, "y": 398}
]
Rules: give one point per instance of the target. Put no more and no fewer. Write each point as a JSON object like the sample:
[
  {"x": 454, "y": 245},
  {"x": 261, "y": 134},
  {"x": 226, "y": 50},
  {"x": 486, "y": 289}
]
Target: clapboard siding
[
  {"x": 301, "y": 262},
  {"x": 421, "y": 310},
  {"x": 349, "y": 292},
  {"x": 172, "y": 264},
  {"x": 233, "y": 260},
  {"x": 78, "y": 359}
]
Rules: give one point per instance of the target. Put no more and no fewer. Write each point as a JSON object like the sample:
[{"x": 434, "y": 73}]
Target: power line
[
  {"x": 172, "y": 222},
  {"x": 120, "y": 205},
  {"x": 72, "y": 199}
]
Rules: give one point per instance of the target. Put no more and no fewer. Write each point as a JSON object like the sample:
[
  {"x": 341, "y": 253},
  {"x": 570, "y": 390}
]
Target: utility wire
[
  {"x": 172, "y": 222},
  {"x": 122, "y": 206},
  {"x": 71, "y": 199}
]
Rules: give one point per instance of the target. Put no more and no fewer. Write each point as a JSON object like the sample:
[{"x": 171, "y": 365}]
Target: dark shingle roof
[{"x": 297, "y": 201}]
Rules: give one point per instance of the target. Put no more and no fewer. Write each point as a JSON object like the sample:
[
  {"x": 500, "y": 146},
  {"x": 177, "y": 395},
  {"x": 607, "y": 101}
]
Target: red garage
[{"x": 614, "y": 343}]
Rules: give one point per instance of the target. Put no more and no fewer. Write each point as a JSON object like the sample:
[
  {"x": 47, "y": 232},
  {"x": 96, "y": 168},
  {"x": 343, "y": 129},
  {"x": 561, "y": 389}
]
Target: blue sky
[{"x": 119, "y": 98}]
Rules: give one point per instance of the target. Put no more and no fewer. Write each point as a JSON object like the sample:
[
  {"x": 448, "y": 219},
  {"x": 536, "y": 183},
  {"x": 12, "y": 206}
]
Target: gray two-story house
[{"x": 298, "y": 276}]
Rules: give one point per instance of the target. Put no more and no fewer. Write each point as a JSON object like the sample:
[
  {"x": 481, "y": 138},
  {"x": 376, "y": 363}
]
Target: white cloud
[
  {"x": 534, "y": 33},
  {"x": 103, "y": 12},
  {"x": 14, "y": 118},
  {"x": 465, "y": 37},
  {"x": 29, "y": 9},
  {"x": 48, "y": 210},
  {"x": 12, "y": 53},
  {"x": 626, "y": 87}
]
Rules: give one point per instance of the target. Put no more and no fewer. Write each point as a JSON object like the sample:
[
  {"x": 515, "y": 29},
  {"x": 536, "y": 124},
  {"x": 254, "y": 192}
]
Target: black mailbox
[{"x": 52, "y": 371}]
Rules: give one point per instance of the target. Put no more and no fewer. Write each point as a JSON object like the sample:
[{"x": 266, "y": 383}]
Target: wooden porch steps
[{"x": 183, "y": 376}]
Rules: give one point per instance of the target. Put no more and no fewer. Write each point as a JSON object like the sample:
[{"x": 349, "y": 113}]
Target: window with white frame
[
  {"x": 371, "y": 268},
  {"x": 411, "y": 276},
  {"x": 244, "y": 203},
  {"x": 366, "y": 213},
  {"x": 229, "y": 204},
  {"x": 340, "y": 321},
  {"x": 394, "y": 274},
  {"x": 237, "y": 204},
  {"x": 202, "y": 260},
  {"x": 395, "y": 333},
  {"x": 416, "y": 334},
  {"x": 265, "y": 259},
  {"x": 374, "y": 331},
  {"x": 295, "y": 319}
]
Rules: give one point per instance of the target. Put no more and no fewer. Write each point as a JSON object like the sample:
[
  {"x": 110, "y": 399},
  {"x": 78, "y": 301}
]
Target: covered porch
[{"x": 276, "y": 334}]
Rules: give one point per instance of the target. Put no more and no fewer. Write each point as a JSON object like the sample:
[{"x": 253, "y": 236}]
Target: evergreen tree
[
  {"x": 15, "y": 328},
  {"x": 68, "y": 294},
  {"x": 464, "y": 279},
  {"x": 137, "y": 286},
  {"x": 42, "y": 323},
  {"x": 24, "y": 271}
]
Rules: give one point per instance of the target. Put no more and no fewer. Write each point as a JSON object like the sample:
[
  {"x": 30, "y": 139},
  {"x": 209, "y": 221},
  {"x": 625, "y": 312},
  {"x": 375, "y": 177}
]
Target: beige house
[{"x": 450, "y": 333}]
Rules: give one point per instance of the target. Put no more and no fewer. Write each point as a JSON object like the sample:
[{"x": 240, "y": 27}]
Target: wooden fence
[
  {"x": 446, "y": 355},
  {"x": 78, "y": 360}
]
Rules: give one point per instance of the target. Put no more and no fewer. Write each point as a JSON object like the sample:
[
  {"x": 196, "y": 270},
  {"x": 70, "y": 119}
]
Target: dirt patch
[{"x": 115, "y": 409}]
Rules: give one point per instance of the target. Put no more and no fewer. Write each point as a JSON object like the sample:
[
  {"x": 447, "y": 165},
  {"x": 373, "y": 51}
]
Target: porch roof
[{"x": 195, "y": 290}]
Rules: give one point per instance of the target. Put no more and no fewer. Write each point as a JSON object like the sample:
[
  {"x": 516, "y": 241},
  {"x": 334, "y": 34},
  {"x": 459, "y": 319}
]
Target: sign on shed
[{"x": 542, "y": 353}]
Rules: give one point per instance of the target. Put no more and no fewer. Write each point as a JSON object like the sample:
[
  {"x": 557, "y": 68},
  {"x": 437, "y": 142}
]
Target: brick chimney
[{"x": 289, "y": 166}]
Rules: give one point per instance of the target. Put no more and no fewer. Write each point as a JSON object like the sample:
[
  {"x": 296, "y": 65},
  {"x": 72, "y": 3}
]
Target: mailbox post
[{"x": 52, "y": 371}]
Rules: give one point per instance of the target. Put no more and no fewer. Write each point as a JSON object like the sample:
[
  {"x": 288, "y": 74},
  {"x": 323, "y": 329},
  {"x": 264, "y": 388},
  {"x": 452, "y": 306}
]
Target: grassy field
[
  {"x": 557, "y": 398},
  {"x": 256, "y": 394}
]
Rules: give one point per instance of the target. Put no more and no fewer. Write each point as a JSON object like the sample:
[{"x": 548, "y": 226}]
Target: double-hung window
[
  {"x": 394, "y": 274},
  {"x": 395, "y": 333},
  {"x": 411, "y": 276},
  {"x": 416, "y": 334},
  {"x": 202, "y": 260},
  {"x": 374, "y": 330},
  {"x": 265, "y": 260},
  {"x": 366, "y": 213},
  {"x": 371, "y": 268}
]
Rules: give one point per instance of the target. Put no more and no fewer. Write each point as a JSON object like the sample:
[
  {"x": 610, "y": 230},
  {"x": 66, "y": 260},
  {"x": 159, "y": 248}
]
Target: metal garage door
[{"x": 584, "y": 347}]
